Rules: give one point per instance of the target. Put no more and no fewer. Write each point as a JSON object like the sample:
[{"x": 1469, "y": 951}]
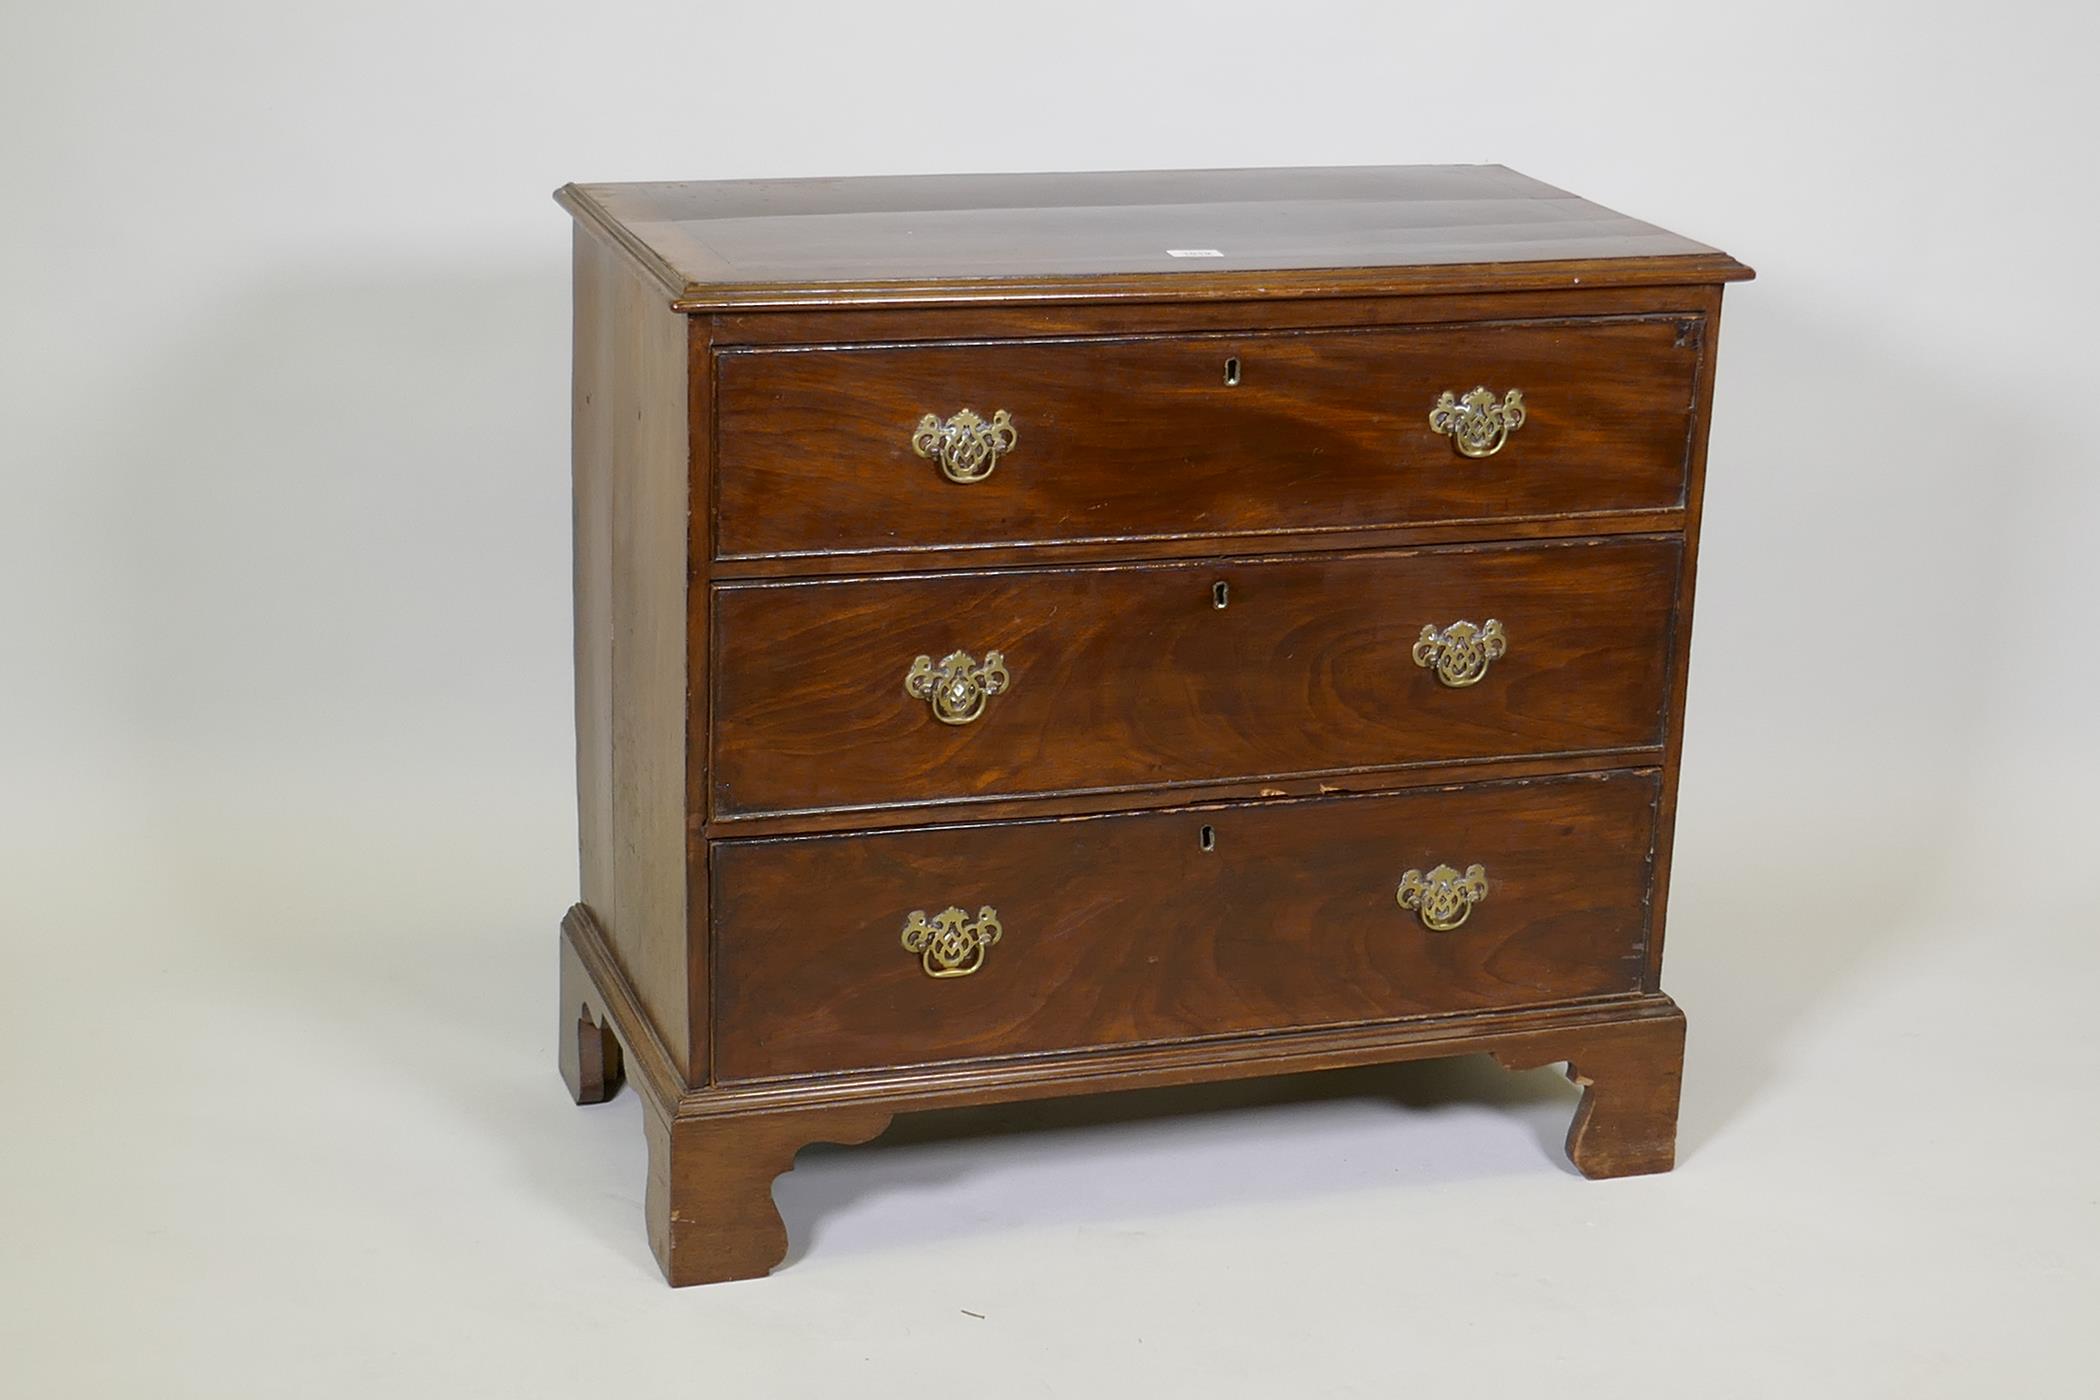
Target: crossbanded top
[{"x": 1128, "y": 235}]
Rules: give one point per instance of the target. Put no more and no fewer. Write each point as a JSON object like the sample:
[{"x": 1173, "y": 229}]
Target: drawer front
[
  {"x": 1173, "y": 925},
  {"x": 1119, "y": 677},
  {"x": 1146, "y": 439}
]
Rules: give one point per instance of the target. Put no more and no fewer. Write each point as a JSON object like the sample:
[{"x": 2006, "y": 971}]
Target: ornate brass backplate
[
  {"x": 1476, "y": 424},
  {"x": 965, "y": 446},
  {"x": 1443, "y": 897},
  {"x": 951, "y": 943},
  {"x": 1460, "y": 653},
  {"x": 959, "y": 686}
]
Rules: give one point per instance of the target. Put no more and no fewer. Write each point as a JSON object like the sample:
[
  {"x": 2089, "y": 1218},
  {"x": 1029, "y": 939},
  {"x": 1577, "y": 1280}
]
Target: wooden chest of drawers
[{"x": 1054, "y": 634}]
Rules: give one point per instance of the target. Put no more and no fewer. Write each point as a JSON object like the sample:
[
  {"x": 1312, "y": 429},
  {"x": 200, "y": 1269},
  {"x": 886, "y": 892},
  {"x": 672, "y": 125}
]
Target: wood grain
[
  {"x": 1192, "y": 819},
  {"x": 1006, "y": 320},
  {"x": 1631, "y": 1076},
  {"x": 1681, "y": 642},
  {"x": 597, "y": 281},
  {"x": 715, "y": 245},
  {"x": 631, "y": 468},
  {"x": 1178, "y": 797},
  {"x": 1131, "y": 676},
  {"x": 709, "y": 1197},
  {"x": 1144, "y": 439},
  {"x": 1126, "y": 929},
  {"x": 710, "y": 1185}
]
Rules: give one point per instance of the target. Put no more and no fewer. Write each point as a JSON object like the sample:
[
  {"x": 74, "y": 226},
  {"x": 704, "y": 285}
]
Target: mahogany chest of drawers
[{"x": 1055, "y": 634}]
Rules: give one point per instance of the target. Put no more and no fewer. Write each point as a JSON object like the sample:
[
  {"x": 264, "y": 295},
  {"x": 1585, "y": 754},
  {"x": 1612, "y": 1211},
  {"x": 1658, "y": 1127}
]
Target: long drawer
[
  {"x": 885, "y": 691},
  {"x": 841, "y": 953},
  {"x": 830, "y": 450}
]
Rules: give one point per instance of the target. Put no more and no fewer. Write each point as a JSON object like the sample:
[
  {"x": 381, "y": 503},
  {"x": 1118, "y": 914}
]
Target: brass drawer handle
[
  {"x": 951, "y": 943},
  {"x": 1460, "y": 653},
  {"x": 1443, "y": 897},
  {"x": 959, "y": 687},
  {"x": 966, "y": 446},
  {"x": 1476, "y": 424}
]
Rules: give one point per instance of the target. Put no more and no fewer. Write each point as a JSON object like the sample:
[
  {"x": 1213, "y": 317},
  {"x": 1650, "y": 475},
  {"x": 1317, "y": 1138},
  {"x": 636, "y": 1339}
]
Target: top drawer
[{"x": 1194, "y": 436}]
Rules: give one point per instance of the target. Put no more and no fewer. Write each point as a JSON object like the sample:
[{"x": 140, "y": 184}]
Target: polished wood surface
[
  {"x": 708, "y": 1201},
  {"x": 1176, "y": 926},
  {"x": 959, "y": 1083},
  {"x": 1192, "y": 819},
  {"x": 1186, "y": 316},
  {"x": 1276, "y": 232},
  {"x": 709, "y": 1204},
  {"x": 1133, "y": 676},
  {"x": 1681, "y": 643},
  {"x": 1211, "y": 437},
  {"x": 1631, "y": 1077},
  {"x": 631, "y": 459}
]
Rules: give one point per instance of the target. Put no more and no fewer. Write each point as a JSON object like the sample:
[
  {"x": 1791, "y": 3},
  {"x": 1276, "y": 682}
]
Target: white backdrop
[{"x": 285, "y": 756}]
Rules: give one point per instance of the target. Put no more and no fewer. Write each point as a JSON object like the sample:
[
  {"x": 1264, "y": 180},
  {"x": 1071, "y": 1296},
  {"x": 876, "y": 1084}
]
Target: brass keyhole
[
  {"x": 1220, "y": 594},
  {"x": 1208, "y": 838},
  {"x": 1232, "y": 371}
]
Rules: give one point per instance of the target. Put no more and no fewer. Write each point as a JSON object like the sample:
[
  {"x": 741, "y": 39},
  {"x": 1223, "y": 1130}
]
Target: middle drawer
[{"x": 865, "y": 693}]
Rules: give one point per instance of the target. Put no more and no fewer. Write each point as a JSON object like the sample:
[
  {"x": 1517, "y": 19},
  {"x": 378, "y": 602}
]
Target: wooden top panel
[{"x": 737, "y": 244}]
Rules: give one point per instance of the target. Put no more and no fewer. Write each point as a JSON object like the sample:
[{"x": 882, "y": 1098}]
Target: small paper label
[{"x": 1194, "y": 253}]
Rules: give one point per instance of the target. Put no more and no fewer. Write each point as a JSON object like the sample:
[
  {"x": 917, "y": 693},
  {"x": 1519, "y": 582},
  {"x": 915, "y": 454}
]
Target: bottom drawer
[{"x": 1112, "y": 930}]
